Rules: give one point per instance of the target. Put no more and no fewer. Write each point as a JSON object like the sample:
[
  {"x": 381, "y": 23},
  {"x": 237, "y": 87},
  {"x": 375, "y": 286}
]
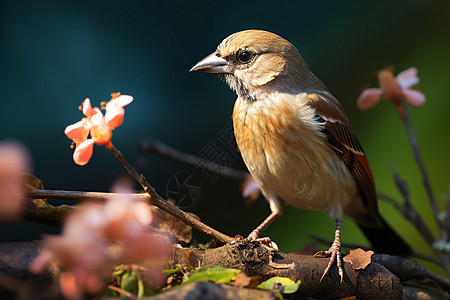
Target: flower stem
[
  {"x": 158, "y": 201},
  {"x": 426, "y": 181}
]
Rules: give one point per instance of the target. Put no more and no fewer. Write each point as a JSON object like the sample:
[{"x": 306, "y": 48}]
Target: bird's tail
[{"x": 386, "y": 240}]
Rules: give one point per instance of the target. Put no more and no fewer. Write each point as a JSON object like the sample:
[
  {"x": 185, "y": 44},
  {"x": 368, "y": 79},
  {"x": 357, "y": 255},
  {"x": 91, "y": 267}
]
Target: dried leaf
[
  {"x": 242, "y": 280},
  {"x": 171, "y": 225},
  {"x": 32, "y": 181},
  {"x": 192, "y": 259},
  {"x": 359, "y": 258}
]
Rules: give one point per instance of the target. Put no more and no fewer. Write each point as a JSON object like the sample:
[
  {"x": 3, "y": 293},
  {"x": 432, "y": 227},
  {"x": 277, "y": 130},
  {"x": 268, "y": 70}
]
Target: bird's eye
[{"x": 244, "y": 56}]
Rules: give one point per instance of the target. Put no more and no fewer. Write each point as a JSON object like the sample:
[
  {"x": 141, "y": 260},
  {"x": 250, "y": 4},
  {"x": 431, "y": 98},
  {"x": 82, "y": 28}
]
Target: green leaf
[
  {"x": 212, "y": 273},
  {"x": 118, "y": 272},
  {"x": 129, "y": 282},
  {"x": 140, "y": 285},
  {"x": 169, "y": 272},
  {"x": 282, "y": 284}
]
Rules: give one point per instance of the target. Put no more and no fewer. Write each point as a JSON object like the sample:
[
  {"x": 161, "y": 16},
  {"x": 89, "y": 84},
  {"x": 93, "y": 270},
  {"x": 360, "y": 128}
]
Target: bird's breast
[{"x": 284, "y": 149}]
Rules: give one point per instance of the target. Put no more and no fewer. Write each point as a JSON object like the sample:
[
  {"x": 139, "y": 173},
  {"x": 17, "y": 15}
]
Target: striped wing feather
[{"x": 341, "y": 138}]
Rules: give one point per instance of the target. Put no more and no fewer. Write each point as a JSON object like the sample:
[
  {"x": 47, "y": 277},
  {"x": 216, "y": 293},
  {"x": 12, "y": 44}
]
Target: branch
[
  {"x": 252, "y": 260},
  {"x": 410, "y": 213},
  {"x": 408, "y": 269},
  {"x": 377, "y": 281},
  {"x": 84, "y": 196},
  {"x": 40, "y": 211},
  {"x": 436, "y": 260},
  {"x": 155, "y": 147},
  {"x": 166, "y": 206}
]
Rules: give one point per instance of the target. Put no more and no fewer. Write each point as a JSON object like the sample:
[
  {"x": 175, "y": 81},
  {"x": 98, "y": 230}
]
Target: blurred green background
[{"x": 54, "y": 54}]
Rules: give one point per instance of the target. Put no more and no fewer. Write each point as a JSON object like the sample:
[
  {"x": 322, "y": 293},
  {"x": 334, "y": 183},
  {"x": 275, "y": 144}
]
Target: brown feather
[{"x": 344, "y": 142}]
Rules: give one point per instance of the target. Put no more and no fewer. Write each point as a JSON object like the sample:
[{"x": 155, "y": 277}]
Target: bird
[{"x": 296, "y": 139}]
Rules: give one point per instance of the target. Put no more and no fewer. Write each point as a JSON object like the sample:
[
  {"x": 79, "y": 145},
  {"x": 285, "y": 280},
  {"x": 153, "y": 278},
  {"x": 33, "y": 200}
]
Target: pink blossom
[
  {"x": 114, "y": 110},
  {"x": 128, "y": 224},
  {"x": 250, "y": 188},
  {"x": 96, "y": 124},
  {"x": 393, "y": 89},
  {"x": 81, "y": 253},
  {"x": 14, "y": 161}
]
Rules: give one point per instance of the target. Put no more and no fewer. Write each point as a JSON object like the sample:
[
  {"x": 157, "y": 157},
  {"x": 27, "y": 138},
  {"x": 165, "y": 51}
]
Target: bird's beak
[{"x": 211, "y": 64}]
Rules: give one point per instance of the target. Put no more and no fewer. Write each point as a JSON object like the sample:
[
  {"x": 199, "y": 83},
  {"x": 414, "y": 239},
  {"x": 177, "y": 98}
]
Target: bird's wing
[{"x": 341, "y": 138}]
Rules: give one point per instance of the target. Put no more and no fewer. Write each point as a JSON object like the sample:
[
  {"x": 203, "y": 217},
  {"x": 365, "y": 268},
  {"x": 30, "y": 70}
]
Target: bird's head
[{"x": 253, "y": 61}]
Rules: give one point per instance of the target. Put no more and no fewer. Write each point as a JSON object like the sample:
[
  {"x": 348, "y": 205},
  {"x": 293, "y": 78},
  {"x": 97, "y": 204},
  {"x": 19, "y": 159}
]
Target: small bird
[{"x": 296, "y": 139}]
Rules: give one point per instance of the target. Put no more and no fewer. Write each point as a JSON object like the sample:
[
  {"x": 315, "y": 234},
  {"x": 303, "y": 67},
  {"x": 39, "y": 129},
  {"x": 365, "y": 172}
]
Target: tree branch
[
  {"x": 155, "y": 147},
  {"x": 410, "y": 213},
  {"x": 40, "y": 211}
]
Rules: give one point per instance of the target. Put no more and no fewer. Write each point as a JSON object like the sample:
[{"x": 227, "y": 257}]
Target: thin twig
[
  {"x": 121, "y": 291},
  {"x": 159, "y": 148},
  {"x": 151, "y": 197},
  {"x": 83, "y": 196},
  {"x": 447, "y": 217},
  {"x": 158, "y": 201},
  {"x": 409, "y": 212},
  {"x": 426, "y": 181}
]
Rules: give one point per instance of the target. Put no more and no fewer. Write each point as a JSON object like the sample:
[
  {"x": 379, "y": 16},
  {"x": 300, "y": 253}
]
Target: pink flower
[
  {"x": 250, "y": 188},
  {"x": 393, "y": 89},
  {"x": 80, "y": 251},
  {"x": 14, "y": 161},
  {"x": 96, "y": 124},
  {"x": 128, "y": 224}
]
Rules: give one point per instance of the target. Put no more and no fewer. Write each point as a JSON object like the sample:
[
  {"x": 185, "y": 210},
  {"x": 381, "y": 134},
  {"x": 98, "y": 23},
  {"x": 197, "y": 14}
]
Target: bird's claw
[
  {"x": 253, "y": 238},
  {"x": 335, "y": 255}
]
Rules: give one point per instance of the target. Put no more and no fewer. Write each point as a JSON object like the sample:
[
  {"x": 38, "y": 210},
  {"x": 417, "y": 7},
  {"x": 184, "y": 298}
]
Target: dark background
[{"x": 53, "y": 54}]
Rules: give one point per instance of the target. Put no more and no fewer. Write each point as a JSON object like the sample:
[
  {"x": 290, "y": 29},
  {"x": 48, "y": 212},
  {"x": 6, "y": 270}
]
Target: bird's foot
[
  {"x": 254, "y": 235},
  {"x": 254, "y": 238},
  {"x": 335, "y": 255}
]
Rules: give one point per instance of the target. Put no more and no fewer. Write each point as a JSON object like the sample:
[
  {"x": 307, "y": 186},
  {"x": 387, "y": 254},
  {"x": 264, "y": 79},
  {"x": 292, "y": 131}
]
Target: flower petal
[
  {"x": 142, "y": 213},
  {"x": 369, "y": 98},
  {"x": 390, "y": 86},
  {"x": 87, "y": 107},
  {"x": 408, "y": 78},
  {"x": 69, "y": 286},
  {"x": 96, "y": 116},
  {"x": 78, "y": 131},
  {"x": 120, "y": 101},
  {"x": 114, "y": 117},
  {"x": 83, "y": 152},
  {"x": 414, "y": 98},
  {"x": 40, "y": 263},
  {"x": 250, "y": 187}
]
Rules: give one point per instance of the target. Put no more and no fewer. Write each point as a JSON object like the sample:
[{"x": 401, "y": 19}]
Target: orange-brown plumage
[{"x": 294, "y": 135}]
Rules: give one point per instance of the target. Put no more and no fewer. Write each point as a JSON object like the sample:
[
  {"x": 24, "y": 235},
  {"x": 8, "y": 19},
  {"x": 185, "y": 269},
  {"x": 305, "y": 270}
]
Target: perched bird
[{"x": 296, "y": 140}]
